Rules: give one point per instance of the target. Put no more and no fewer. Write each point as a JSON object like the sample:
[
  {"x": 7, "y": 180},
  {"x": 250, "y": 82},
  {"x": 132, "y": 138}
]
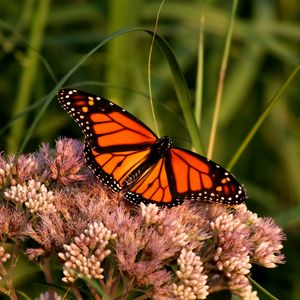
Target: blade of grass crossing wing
[
  {"x": 178, "y": 78},
  {"x": 182, "y": 91}
]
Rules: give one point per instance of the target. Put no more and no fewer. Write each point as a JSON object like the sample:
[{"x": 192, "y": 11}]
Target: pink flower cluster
[
  {"x": 83, "y": 257},
  {"x": 193, "y": 283},
  {"x": 51, "y": 200}
]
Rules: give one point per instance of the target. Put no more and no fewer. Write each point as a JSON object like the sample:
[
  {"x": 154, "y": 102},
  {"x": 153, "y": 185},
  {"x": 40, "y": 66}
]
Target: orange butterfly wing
[
  {"x": 153, "y": 186},
  {"x": 114, "y": 167},
  {"x": 106, "y": 126},
  {"x": 198, "y": 178}
]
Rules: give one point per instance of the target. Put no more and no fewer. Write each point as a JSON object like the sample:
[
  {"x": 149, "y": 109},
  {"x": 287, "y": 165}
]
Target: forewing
[{"x": 106, "y": 126}]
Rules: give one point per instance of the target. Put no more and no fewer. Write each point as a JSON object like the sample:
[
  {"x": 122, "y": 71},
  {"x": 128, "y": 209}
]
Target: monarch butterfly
[{"x": 127, "y": 156}]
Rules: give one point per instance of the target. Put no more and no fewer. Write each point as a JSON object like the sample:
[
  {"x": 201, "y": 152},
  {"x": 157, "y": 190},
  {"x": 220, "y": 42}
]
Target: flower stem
[
  {"x": 10, "y": 284},
  {"x": 76, "y": 292},
  {"x": 48, "y": 276}
]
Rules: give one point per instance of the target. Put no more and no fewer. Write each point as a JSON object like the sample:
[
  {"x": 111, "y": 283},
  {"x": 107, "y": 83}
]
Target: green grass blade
[
  {"x": 149, "y": 68},
  {"x": 26, "y": 84},
  {"x": 97, "y": 288},
  {"x": 24, "y": 295},
  {"x": 261, "y": 119},
  {"x": 222, "y": 73},
  {"x": 182, "y": 91},
  {"x": 22, "y": 41},
  {"x": 199, "y": 80},
  {"x": 123, "y": 14},
  {"x": 27, "y": 110},
  {"x": 270, "y": 296}
]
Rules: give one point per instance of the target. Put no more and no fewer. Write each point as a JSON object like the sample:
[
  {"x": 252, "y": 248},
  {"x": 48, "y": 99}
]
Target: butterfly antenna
[{"x": 149, "y": 68}]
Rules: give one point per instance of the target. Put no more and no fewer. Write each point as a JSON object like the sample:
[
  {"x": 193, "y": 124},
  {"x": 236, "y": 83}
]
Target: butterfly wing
[
  {"x": 112, "y": 168},
  {"x": 116, "y": 142},
  {"x": 153, "y": 186},
  {"x": 107, "y": 127},
  {"x": 195, "y": 177}
]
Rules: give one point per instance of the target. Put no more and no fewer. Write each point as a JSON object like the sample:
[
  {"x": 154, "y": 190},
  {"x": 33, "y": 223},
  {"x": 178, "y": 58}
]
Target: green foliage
[{"x": 73, "y": 43}]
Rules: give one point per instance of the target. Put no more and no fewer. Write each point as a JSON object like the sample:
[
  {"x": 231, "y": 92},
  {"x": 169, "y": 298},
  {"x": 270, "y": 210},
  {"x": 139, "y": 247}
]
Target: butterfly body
[{"x": 127, "y": 156}]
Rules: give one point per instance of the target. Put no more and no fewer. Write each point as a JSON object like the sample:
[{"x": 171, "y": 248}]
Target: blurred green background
[{"x": 41, "y": 40}]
